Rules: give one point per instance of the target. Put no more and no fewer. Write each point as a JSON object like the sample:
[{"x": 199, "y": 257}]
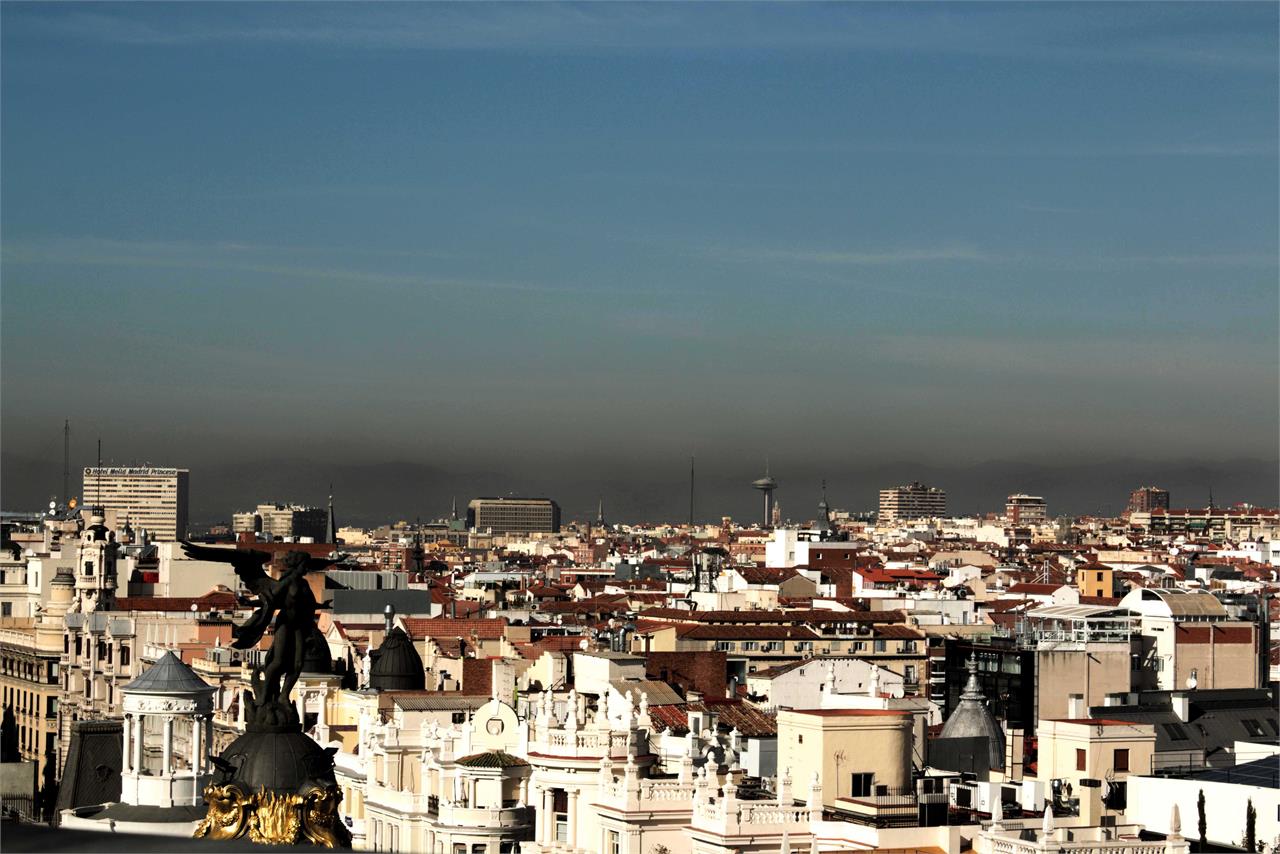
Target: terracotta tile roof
[
  {"x": 445, "y": 627},
  {"x": 209, "y": 601},
  {"x": 747, "y": 633}
]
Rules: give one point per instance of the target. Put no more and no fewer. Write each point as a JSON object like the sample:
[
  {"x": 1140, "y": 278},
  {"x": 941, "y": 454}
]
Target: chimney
[{"x": 1182, "y": 706}]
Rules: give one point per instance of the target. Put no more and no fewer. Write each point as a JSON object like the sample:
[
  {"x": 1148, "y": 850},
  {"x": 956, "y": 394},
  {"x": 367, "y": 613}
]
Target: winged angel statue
[{"x": 290, "y": 599}]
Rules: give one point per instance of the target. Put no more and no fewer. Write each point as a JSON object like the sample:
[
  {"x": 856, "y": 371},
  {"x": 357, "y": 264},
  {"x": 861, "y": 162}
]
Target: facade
[
  {"x": 514, "y": 515},
  {"x": 283, "y": 522},
  {"x": 154, "y": 499},
  {"x": 912, "y": 501},
  {"x": 1023, "y": 509},
  {"x": 1144, "y": 499}
]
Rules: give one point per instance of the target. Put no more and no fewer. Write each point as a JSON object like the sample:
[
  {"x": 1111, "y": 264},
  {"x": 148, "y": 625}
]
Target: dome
[
  {"x": 315, "y": 656},
  {"x": 396, "y": 665},
  {"x": 972, "y": 719},
  {"x": 275, "y": 761}
]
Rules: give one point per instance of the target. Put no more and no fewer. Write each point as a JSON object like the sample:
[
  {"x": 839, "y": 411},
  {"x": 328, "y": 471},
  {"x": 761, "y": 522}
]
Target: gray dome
[
  {"x": 396, "y": 665},
  {"x": 169, "y": 675},
  {"x": 972, "y": 719}
]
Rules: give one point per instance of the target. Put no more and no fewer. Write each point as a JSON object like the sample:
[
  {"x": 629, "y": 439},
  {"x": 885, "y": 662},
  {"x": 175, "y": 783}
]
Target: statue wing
[{"x": 246, "y": 562}]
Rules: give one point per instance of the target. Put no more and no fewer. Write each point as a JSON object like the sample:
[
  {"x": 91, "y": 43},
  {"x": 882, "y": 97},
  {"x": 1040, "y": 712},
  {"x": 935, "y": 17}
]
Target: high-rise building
[
  {"x": 1023, "y": 509},
  {"x": 1144, "y": 499},
  {"x": 283, "y": 522},
  {"x": 514, "y": 515},
  {"x": 912, "y": 501},
  {"x": 149, "y": 497}
]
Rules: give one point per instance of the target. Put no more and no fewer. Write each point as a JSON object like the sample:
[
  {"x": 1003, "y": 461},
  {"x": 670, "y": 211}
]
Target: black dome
[
  {"x": 315, "y": 655},
  {"x": 277, "y": 762},
  {"x": 396, "y": 665}
]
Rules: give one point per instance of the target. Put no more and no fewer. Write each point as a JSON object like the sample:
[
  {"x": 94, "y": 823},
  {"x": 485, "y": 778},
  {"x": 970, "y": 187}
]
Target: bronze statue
[
  {"x": 290, "y": 599},
  {"x": 275, "y": 784}
]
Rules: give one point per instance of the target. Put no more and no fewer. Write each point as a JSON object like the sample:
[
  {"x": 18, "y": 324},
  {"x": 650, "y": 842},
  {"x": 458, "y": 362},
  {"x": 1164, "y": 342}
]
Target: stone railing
[
  {"x": 622, "y": 792},
  {"x": 581, "y": 743},
  {"x": 1013, "y": 845},
  {"x": 730, "y": 816}
]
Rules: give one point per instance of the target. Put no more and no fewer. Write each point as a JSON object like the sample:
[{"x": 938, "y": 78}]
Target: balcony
[{"x": 460, "y": 815}]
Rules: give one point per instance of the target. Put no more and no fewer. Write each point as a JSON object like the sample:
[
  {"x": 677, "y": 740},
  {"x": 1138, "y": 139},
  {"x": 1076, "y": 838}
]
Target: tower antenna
[
  {"x": 692, "y": 483},
  {"x": 66, "y": 461},
  {"x": 97, "y": 496}
]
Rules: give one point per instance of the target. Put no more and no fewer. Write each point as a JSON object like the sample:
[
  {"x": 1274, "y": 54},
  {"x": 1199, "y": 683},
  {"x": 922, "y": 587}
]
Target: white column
[
  {"x": 127, "y": 753},
  {"x": 573, "y": 819},
  {"x": 138, "y": 738},
  {"x": 197, "y": 760},
  {"x": 546, "y": 821},
  {"x": 166, "y": 768},
  {"x": 208, "y": 739},
  {"x": 302, "y": 708}
]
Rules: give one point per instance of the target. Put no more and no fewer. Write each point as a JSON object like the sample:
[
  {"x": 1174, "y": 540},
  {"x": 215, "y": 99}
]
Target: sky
[{"x": 426, "y": 250}]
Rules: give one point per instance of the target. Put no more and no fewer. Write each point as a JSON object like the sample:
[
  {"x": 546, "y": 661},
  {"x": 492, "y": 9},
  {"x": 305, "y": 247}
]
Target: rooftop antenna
[
  {"x": 66, "y": 461},
  {"x": 97, "y": 498},
  {"x": 1210, "y": 496}
]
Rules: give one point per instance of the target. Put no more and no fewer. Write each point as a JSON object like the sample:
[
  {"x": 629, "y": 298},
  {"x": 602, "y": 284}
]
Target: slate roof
[
  {"x": 375, "y": 601},
  {"x": 436, "y": 701},
  {"x": 168, "y": 676},
  {"x": 92, "y": 772}
]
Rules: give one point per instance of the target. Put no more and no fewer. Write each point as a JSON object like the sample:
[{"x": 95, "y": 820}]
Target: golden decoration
[
  {"x": 228, "y": 815},
  {"x": 275, "y": 818}
]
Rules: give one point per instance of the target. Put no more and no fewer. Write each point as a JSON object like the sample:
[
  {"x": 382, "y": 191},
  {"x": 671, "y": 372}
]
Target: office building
[
  {"x": 283, "y": 522},
  {"x": 150, "y": 498},
  {"x": 1144, "y": 499},
  {"x": 912, "y": 501},
  {"x": 1023, "y": 509},
  {"x": 514, "y": 515}
]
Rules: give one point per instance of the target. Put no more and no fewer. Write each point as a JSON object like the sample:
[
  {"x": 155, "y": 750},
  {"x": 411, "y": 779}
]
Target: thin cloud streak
[{"x": 1004, "y": 32}]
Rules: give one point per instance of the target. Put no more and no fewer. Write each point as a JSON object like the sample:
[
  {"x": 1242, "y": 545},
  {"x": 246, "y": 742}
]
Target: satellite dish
[
  {"x": 583, "y": 645},
  {"x": 53, "y": 505}
]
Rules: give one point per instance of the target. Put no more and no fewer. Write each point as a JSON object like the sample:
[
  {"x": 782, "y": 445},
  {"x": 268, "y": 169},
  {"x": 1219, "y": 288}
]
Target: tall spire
[
  {"x": 600, "y": 513},
  {"x": 453, "y": 513}
]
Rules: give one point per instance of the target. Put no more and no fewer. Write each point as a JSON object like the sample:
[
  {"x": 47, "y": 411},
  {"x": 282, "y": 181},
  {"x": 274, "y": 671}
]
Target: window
[
  {"x": 1121, "y": 761},
  {"x": 800, "y": 738},
  {"x": 879, "y": 645},
  {"x": 124, "y": 656},
  {"x": 724, "y": 646},
  {"x": 1252, "y": 726},
  {"x": 88, "y": 567},
  {"x": 860, "y": 785},
  {"x": 1099, "y": 576},
  {"x": 909, "y": 673},
  {"x": 459, "y": 717},
  {"x": 1175, "y": 732},
  {"x": 750, "y": 646},
  {"x": 1080, "y": 759},
  {"x": 614, "y": 845},
  {"x": 804, "y": 646},
  {"x": 6, "y": 609}
]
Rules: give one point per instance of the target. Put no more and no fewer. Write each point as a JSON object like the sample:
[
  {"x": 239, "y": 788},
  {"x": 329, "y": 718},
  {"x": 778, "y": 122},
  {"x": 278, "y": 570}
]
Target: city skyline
[{"x": 604, "y": 239}]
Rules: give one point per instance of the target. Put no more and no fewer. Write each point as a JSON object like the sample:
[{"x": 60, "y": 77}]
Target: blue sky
[{"x": 489, "y": 232}]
